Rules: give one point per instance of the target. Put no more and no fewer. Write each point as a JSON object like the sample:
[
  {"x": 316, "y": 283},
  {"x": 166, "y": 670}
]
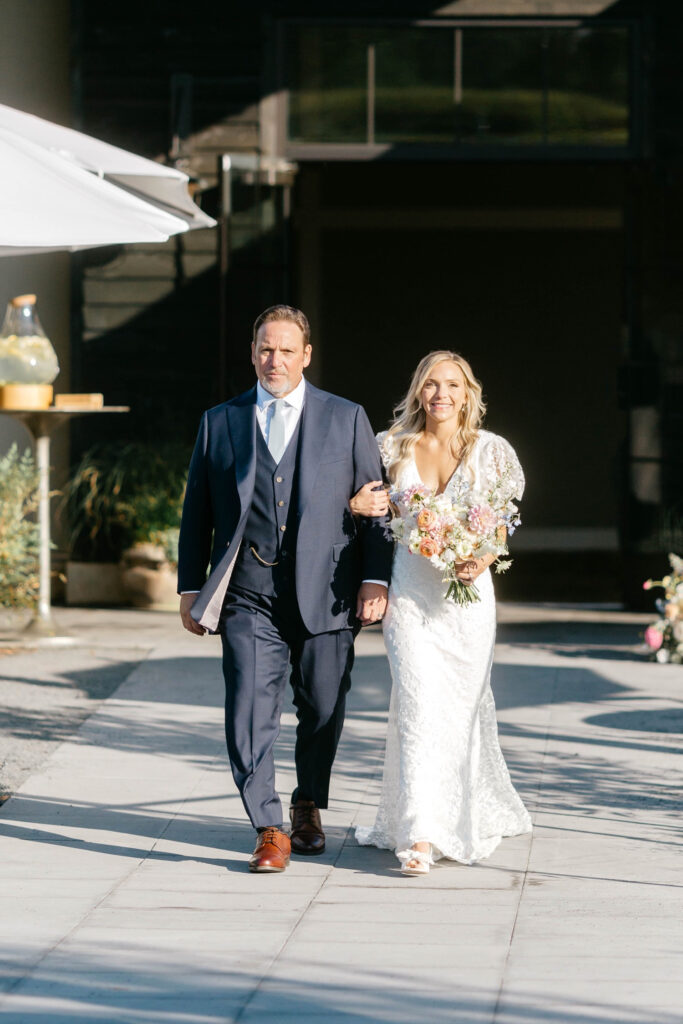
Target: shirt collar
[{"x": 295, "y": 398}]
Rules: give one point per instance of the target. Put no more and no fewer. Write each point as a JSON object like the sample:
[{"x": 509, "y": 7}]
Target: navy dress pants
[{"x": 264, "y": 641}]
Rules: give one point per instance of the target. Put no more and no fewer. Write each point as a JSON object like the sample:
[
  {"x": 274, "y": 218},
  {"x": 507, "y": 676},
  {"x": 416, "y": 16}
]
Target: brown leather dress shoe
[
  {"x": 272, "y": 851},
  {"x": 307, "y": 831}
]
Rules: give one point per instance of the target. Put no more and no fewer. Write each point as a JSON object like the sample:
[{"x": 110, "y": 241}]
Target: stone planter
[
  {"x": 94, "y": 583},
  {"x": 149, "y": 581}
]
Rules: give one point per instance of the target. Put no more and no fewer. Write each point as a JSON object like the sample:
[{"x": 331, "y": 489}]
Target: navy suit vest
[{"x": 265, "y": 563}]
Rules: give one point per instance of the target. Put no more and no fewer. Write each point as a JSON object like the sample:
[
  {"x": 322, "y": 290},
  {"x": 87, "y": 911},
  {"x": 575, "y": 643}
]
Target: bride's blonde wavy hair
[{"x": 410, "y": 418}]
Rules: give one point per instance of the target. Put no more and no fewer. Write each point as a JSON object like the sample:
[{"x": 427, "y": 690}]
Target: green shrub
[
  {"x": 427, "y": 113},
  {"x": 118, "y": 495},
  {"x": 19, "y": 538}
]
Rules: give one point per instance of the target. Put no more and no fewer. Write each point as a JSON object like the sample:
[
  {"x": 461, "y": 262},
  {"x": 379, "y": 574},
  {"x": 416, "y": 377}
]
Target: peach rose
[
  {"x": 428, "y": 547},
  {"x": 426, "y": 518}
]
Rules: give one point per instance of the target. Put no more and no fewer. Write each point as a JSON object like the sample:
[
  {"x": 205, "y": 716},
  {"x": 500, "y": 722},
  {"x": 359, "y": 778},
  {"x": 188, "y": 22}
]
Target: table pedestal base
[{"x": 44, "y": 632}]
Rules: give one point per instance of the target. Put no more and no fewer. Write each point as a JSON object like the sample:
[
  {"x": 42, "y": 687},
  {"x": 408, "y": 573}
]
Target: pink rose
[
  {"x": 482, "y": 519},
  {"x": 653, "y": 638},
  {"x": 415, "y": 494},
  {"x": 647, "y": 585}
]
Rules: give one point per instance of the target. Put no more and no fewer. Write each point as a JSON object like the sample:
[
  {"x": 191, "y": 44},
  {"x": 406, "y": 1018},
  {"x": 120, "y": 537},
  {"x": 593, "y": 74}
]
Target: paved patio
[{"x": 126, "y": 895}]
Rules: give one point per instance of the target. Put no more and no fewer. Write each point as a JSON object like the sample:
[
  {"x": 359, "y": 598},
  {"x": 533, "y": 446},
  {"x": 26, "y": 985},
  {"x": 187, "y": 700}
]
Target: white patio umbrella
[{"x": 60, "y": 189}]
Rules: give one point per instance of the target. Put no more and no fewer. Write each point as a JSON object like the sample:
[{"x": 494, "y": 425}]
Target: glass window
[
  {"x": 327, "y": 78},
  {"x": 588, "y": 87},
  {"x": 502, "y": 86},
  {"x": 414, "y": 86},
  {"x": 459, "y": 86}
]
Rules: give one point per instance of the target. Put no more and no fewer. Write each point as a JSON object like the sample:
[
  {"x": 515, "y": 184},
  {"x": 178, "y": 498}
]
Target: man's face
[{"x": 280, "y": 356}]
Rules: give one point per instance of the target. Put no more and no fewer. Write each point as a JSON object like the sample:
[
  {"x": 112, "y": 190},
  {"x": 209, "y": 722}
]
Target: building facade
[{"x": 499, "y": 178}]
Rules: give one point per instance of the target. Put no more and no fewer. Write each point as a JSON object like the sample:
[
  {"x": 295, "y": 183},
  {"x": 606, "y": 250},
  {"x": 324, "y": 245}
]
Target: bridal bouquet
[{"x": 455, "y": 527}]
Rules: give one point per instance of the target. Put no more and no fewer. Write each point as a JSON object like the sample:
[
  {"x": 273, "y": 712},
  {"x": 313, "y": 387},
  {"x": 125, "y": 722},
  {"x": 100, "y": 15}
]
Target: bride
[{"x": 446, "y": 790}]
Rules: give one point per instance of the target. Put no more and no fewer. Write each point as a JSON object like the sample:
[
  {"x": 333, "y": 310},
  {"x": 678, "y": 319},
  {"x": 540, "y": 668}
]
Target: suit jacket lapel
[
  {"x": 315, "y": 426},
  {"x": 242, "y": 428}
]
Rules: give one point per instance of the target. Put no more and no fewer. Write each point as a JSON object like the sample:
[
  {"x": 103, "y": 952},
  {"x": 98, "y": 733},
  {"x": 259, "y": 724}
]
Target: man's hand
[
  {"x": 186, "y": 602},
  {"x": 371, "y": 603}
]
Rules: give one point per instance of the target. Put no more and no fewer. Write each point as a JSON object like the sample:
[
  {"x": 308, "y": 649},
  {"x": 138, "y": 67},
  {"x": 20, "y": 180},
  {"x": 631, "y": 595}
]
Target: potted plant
[
  {"x": 98, "y": 529},
  {"x": 153, "y": 507},
  {"x": 124, "y": 504},
  {"x": 19, "y": 541}
]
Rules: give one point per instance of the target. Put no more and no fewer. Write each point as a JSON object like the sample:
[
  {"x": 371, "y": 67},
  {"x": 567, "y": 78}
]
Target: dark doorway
[{"x": 537, "y": 312}]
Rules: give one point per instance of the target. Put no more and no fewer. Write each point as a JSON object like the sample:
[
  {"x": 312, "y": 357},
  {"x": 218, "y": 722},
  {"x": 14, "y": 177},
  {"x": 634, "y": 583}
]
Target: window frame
[{"x": 463, "y": 151}]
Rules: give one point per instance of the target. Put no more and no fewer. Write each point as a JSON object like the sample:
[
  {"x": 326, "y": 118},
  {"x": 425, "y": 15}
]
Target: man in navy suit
[{"x": 293, "y": 574}]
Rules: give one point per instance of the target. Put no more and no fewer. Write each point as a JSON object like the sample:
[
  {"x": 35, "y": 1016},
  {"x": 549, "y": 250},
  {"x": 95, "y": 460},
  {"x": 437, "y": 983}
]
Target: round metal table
[{"x": 42, "y": 423}]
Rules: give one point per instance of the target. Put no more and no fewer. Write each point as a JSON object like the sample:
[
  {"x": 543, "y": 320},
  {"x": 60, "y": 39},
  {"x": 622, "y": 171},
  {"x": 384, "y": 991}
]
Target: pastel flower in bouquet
[
  {"x": 665, "y": 636},
  {"x": 448, "y": 529}
]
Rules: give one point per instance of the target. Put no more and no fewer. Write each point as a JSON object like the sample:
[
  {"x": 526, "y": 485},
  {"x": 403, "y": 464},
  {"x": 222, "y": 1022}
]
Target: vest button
[
  {"x": 283, "y": 528},
  {"x": 280, "y": 503},
  {"x": 278, "y": 479}
]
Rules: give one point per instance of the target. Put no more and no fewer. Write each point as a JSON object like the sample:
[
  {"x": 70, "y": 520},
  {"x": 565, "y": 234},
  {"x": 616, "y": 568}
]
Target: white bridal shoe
[{"x": 415, "y": 862}]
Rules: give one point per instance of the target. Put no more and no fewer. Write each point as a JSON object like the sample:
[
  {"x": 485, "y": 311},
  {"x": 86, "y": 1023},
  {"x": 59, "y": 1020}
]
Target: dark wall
[
  {"x": 127, "y": 53},
  {"x": 537, "y": 313},
  {"x": 160, "y": 81}
]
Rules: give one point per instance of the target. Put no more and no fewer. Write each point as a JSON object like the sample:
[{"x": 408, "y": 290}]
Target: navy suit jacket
[{"x": 338, "y": 453}]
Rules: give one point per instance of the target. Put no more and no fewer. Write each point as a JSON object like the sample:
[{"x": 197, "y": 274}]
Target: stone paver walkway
[{"x": 126, "y": 896}]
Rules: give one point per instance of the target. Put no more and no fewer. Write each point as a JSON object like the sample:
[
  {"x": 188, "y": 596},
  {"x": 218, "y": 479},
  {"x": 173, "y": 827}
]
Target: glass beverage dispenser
[{"x": 28, "y": 362}]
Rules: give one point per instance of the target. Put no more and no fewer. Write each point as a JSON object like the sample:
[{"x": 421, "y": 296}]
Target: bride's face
[{"x": 444, "y": 392}]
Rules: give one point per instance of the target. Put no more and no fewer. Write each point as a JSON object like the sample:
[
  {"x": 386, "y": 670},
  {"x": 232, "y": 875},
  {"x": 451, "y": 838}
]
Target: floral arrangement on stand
[
  {"x": 665, "y": 636},
  {"x": 448, "y": 529}
]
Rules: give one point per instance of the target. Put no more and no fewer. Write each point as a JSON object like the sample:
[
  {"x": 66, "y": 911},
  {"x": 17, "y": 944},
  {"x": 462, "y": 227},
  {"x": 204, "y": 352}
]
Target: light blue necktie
[{"x": 276, "y": 430}]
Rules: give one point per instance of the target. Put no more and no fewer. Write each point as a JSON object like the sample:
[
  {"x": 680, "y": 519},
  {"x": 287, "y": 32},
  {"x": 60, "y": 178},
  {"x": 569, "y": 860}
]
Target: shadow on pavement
[
  {"x": 666, "y": 720},
  {"x": 164, "y": 989},
  {"x": 612, "y": 641},
  {"x": 587, "y": 783}
]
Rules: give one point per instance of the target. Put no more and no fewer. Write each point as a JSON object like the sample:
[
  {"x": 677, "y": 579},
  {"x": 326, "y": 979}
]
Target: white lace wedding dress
[{"x": 445, "y": 780}]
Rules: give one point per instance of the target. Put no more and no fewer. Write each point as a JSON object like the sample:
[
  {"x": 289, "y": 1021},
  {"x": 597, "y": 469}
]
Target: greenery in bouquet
[
  {"x": 120, "y": 495},
  {"x": 19, "y": 539},
  {"x": 665, "y": 636}
]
